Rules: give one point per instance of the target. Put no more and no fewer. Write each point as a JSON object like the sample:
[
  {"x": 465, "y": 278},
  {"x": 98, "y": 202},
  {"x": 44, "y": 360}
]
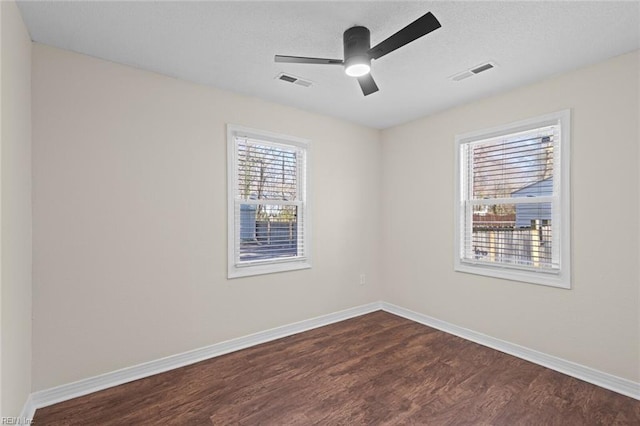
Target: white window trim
[
  {"x": 561, "y": 279},
  {"x": 277, "y": 265}
]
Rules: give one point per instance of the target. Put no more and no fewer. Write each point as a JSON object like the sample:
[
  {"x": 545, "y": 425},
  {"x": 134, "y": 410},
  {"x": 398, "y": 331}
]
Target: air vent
[
  {"x": 462, "y": 76},
  {"x": 481, "y": 68},
  {"x": 287, "y": 78},
  {"x": 293, "y": 79},
  {"x": 301, "y": 82},
  {"x": 473, "y": 71}
]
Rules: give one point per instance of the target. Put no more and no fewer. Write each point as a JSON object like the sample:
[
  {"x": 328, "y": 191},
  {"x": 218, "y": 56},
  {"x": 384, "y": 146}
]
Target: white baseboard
[
  {"x": 68, "y": 391},
  {"x": 598, "y": 378},
  {"x": 93, "y": 384},
  {"x": 28, "y": 411}
]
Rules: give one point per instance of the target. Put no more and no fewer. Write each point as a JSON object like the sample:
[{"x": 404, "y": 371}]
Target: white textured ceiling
[{"x": 230, "y": 45}]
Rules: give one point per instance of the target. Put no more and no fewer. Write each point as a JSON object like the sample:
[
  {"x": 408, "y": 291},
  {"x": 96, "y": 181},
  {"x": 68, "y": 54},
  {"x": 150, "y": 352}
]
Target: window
[
  {"x": 268, "y": 217},
  {"x": 512, "y": 201}
]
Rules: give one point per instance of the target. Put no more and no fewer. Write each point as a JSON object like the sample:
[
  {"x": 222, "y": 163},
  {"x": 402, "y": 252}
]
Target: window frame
[
  {"x": 560, "y": 278},
  {"x": 234, "y": 268}
]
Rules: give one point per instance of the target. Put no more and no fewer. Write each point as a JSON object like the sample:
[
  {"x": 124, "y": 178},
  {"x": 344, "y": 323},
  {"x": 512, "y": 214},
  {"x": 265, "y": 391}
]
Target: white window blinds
[
  {"x": 509, "y": 191},
  {"x": 510, "y": 200},
  {"x": 268, "y": 192},
  {"x": 269, "y": 201}
]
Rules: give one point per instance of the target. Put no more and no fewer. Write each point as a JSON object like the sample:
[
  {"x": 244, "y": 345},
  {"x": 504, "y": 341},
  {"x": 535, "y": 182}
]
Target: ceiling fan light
[
  {"x": 357, "y": 66},
  {"x": 357, "y": 70}
]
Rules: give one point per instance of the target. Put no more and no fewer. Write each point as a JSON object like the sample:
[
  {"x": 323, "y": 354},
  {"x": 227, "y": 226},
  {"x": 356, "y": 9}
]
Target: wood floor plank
[{"x": 377, "y": 369}]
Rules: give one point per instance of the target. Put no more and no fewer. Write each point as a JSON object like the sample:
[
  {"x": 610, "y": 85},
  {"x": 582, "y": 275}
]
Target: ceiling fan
[{"x": 358, "y": 53}]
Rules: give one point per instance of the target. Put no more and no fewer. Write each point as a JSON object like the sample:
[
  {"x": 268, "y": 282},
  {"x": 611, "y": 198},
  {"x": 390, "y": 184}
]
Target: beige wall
[
  {"x": 130, "y": 218},
  {"x": 15, "y": 229},
  {"x": 594, "y": 324}
]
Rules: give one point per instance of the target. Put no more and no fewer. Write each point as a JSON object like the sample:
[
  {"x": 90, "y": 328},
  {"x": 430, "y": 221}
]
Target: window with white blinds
[
  {"x": 268, "y": 209},
  {"x": 513, "y": 201}
]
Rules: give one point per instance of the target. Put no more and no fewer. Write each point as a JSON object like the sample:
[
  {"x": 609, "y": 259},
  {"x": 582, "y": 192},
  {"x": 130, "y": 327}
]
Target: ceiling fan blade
[
  {"x": 303, "y": 60},
  {"x": 367, "y": 84},
  {"x": 421, "y": 26}
]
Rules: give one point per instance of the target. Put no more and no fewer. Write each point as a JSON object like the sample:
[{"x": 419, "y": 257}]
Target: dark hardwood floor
[{"x": 377, "y": 369}]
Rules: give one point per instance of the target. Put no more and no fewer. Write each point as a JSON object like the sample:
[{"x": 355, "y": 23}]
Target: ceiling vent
[
  {"x": 293, "y": 79},
  {"x": 473, "y": 71},
  {"x": 462, "y": 75},
  {"x": 481, "y": 68}
]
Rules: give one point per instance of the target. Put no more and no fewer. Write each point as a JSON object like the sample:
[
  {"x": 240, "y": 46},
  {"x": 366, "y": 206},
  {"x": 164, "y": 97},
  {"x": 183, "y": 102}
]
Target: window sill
[
  {"x": 558, "y": 280},
  {"x": 267, "y": 268}
]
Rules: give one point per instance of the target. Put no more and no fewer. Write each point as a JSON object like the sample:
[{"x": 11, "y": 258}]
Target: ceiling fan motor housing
[{"x": 357, "y": 41}]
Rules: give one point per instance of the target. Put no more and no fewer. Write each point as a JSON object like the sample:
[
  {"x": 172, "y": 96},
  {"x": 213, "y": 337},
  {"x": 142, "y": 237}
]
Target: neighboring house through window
[
  {"x": 512, "y": 201},
  {"x": 268, "y": 217}
]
